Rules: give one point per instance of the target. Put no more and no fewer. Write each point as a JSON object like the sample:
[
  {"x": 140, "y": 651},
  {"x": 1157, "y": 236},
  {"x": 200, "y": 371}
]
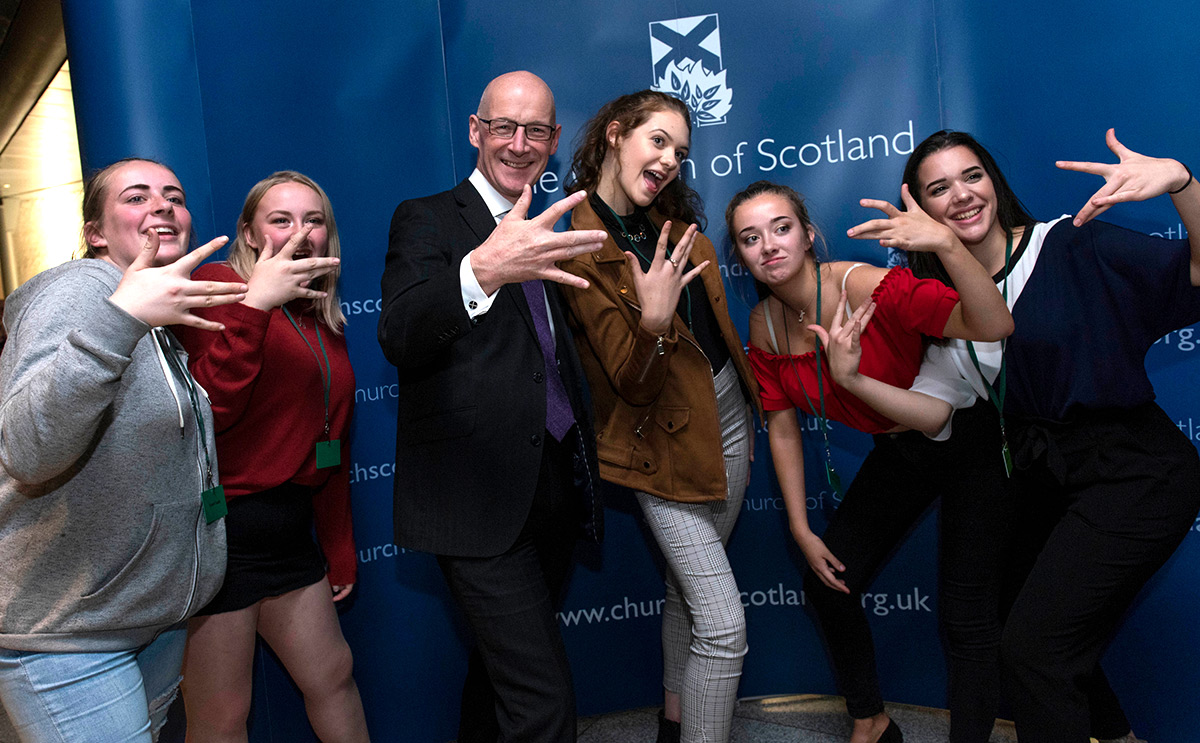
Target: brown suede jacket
[{"x": 656, "y": 409}]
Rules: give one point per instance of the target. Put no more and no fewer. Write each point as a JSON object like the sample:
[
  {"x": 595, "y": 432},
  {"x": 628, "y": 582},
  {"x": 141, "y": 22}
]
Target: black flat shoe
[
  {"x": 668, "y": 730},
  {"x": 891, "y": 734}
]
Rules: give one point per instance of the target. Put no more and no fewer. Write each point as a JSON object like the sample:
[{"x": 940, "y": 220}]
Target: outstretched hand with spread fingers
[
  {"x": 521, "y": 249},
  {"x": 658, "y": 288},
  {"x": 166, "y": 295},
  {"x": 841, "y": 341},
  {"x": 908, "y": 230},
  {"x": 1134, "y": 177},
  {"x": 278, "y": 278}
]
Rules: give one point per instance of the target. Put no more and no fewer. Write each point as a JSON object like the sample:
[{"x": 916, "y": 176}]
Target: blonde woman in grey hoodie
[{"x": 110, "y": 510}]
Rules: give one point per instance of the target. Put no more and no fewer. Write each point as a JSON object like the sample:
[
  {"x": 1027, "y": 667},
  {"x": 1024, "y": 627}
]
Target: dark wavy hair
[
  {"x": 1010, "y": 212},
  {"x": 759, "y": 188},
  {"x": 677, "y": 201}
]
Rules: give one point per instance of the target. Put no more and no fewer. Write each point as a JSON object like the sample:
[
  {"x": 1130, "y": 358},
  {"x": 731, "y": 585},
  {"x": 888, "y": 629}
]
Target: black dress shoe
[
  {"x": 668, "y": 730},
  {"x": 892, "y": 733}
]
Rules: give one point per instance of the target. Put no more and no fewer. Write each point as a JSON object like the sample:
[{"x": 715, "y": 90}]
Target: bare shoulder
[
  {"x": 860, "y": 282},
  {"x": 758, "y": 326}
]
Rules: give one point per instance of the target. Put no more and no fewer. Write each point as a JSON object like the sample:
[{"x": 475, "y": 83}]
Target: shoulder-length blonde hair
[{"x": 242, "y": 257}]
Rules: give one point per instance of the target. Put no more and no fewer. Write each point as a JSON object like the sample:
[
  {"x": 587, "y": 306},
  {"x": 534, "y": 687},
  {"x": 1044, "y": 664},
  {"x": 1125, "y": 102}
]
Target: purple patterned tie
[{"x": 559, "y": 417}]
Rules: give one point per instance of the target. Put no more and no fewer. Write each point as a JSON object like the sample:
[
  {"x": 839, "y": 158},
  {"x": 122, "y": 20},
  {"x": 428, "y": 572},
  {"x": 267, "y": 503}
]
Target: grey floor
[
  {"x": 803, "y": 718},
  {"x": 795, "y": 719}
]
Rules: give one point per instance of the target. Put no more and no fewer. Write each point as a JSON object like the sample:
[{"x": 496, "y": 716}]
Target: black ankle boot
[{"x": 668, "y": 730}]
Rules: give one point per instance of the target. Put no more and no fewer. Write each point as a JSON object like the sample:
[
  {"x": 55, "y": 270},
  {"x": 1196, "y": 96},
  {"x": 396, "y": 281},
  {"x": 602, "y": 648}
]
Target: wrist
[
  {"x": 655, "y": 327},
  {"x": 259, "y": 300},
  {"x": 487, "y": 280},
  {"x": 848, "y": 382},
  {"x": 949, "y": 247},
  {"x": 1186, "y": 183},
  {"x": 800, "y": 530}
]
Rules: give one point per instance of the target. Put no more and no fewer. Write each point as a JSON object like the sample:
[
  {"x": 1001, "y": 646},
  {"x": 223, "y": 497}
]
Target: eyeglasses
[{"x": 507, "y": 129}]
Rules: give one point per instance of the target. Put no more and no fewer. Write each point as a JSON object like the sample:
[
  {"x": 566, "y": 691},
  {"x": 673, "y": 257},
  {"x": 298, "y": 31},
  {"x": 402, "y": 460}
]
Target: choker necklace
[
  {"x": 625, "y": 233},
  {"x": 633, "y": 243}
]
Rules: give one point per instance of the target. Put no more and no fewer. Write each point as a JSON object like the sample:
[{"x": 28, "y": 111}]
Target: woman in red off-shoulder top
[{"x": 803, "y": 300}]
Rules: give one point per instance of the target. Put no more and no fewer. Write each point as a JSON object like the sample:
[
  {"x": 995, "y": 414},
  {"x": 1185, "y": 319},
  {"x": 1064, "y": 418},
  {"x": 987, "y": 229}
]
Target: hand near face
[
  {"x": 907, "y": 230},
  {"x": 1135, "y": 177},
  {"x": 166, "y": 295},
  {"x": 521, "y": 249},
  {"x": 841, "y": 341},
  {"x": 659, "y": 287},
  {"x": 278, "y": 278}
]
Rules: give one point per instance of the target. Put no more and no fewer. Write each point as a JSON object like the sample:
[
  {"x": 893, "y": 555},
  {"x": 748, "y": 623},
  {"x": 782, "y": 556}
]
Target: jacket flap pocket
[
  {"x": 621, "y": 456},
  {"x": 671, "y": 420}
]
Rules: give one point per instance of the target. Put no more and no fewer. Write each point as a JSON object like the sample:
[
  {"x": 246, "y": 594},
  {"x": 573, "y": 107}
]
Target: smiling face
[
  {"x": 140, "y": 197},
  {"x": 771, "y": 240},
  {"x": 510, "y": 164},
  {"x": 639, "y": 165},
  {"x": 957, "y": 191},
  {"x": 283, "y": 211}
]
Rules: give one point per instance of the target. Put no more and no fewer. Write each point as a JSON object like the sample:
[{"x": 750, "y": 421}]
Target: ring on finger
[{"x": 674, "y": 262}]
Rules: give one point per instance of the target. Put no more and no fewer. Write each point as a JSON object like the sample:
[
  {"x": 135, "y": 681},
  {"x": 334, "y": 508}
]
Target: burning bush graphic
[{"x": 704, "y": 93}]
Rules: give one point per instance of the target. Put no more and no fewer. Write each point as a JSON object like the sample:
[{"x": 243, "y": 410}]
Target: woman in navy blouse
[{"x": 1116, "y": 482}]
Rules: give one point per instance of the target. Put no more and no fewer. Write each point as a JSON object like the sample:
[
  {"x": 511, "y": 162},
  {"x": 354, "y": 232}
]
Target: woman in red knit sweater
[{"x": 282, "y": 393}]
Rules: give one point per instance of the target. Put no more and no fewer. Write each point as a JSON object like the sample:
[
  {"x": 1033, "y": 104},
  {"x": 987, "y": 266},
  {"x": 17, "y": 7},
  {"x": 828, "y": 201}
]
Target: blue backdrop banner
[{"x": 372, "y": 98}]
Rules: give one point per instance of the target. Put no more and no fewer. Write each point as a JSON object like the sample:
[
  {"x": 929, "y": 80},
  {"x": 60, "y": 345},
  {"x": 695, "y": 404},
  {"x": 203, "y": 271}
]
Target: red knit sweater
[{"x": 268, "y": 405}]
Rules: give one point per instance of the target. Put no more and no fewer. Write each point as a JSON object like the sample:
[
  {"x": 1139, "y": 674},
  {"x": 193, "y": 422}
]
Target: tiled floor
[{"x": 794, "y": 719}]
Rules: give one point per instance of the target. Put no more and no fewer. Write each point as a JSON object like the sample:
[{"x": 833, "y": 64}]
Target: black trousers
[
  {"x": 897, "y": 482},
  {"x": 518, "y": 687},
  {"x": 1123, "y": 489}
]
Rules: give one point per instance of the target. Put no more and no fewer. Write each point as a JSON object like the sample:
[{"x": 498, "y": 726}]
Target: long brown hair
[
  {"x": 677, "y": 201},
  {"x": 1010, "y": 212},
  {"x": 242, "y": 257}
]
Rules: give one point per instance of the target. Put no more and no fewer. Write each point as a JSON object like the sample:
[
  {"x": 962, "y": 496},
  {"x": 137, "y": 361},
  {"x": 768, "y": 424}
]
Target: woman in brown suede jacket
[{"x": 670, "y": 384}]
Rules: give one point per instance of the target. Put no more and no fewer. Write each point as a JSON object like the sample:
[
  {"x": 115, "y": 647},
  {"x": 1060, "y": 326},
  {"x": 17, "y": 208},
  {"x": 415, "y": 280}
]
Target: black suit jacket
[{"x": 472, "y": 398}]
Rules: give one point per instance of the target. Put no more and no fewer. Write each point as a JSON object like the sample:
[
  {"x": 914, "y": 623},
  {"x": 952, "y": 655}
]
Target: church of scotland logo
[{"x": 686, "y": 57}]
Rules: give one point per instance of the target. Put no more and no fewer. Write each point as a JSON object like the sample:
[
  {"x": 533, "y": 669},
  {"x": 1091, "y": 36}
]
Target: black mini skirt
[{"x": 271, "y": 548}]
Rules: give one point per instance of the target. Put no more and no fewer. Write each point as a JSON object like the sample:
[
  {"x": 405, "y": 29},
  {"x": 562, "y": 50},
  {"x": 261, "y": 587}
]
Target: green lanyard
[
  {"x": 996, "y": 394},
  {"x": 212, "y": 495},
  {"x": 831, "y": 475},
  {"x": 633, "y": 244},
  {"x": 328, "y": 452}
]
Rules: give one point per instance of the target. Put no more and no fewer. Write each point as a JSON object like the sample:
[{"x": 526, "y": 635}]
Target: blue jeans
[{"x": 112, "y": 696}]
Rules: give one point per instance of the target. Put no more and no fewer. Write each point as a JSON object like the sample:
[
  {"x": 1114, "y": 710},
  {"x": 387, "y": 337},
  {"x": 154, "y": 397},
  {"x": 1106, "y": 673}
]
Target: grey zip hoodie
[{"x": 103, "y": 540}]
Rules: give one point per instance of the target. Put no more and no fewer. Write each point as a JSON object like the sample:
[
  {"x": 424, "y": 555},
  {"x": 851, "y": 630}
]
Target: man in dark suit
[{"x": 495, "y": 458}]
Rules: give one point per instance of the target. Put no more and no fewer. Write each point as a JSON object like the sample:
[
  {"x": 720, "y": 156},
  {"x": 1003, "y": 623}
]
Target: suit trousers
[
  {"x": 518, "y": 687},
  {"x": 1127, "y": 485}
]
